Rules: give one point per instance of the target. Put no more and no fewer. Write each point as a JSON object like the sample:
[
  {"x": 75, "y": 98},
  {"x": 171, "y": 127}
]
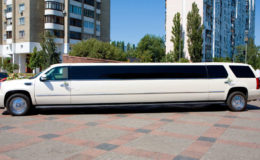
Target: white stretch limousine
[{"x": 87, "y": 84}]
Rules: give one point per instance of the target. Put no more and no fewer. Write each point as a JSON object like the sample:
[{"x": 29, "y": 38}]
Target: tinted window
[
  {"x": 137, "y": 72},
  {"x": 242, "y": 71},
  {"x": 217, "y": 72},
  {"x": 58, "y": 73}
]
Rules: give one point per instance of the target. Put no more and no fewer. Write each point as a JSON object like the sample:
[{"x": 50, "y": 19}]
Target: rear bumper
[
  {"x": 254, "y": 95},
  {"x": 2, "y": 101}
]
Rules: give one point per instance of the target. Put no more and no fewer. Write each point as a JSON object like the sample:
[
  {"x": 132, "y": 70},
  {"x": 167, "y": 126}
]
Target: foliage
[
  {"x": 97, "y": 49},
  {"x": 248, "y": 54},
  {"x": 220, "y": 59},
  {"x": 194, "y": 33},
  {"x": 47, "y": 56},
  {"x": 177, "y": 39},
  {"x": 150, "y": 49},
  {"x": 8, "y": 66},
  {"x": 14, "y": 76}
]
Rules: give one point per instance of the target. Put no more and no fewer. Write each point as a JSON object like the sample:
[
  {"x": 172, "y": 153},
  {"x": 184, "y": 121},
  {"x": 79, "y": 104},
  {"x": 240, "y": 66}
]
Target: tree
[
  {"x": 97, "y": 49},
  {"x": 47, "y": 56},
  {"x": 194, "y": 33},
  {"x": 8, "y": 66},
  {"x": 150, "y": 49},
  {"x": 248, "y": 54},
  {"x": 177, "y": 39}
]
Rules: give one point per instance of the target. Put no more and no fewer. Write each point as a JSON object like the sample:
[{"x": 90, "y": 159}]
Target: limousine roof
[{"x": 143, "y": 64}]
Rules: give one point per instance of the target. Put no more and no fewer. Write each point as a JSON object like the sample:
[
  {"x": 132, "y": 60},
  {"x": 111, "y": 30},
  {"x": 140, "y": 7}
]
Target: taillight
[{"x": 257, "y": 83}]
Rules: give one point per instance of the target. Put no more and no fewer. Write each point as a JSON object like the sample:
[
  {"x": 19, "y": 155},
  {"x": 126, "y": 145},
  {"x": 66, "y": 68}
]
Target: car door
[
  {"x": 219, "y": 82},
  {"x": 55, "y": 89}
]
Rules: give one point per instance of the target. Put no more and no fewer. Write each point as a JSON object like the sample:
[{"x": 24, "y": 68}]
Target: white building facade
[
  {"x": 70, "y": 21},
  {"x": 227, "y": 24}
]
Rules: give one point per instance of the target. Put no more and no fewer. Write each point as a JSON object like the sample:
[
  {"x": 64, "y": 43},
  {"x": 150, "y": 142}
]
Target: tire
[
  {"x": 237, "y": 101},
  {"x": 18, "y": 104}
]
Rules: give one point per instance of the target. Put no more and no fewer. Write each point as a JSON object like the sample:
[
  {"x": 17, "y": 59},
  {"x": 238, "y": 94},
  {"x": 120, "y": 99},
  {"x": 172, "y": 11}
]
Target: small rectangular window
[
  {"x": 217, "y": 72},
  {"x": 21, "y": 34},
  {"x": 242, "y": 71},
  {"x": 21, "y": 21},
  {"x": 21, "y": 8},
  {"x": 58, "y": 73}
]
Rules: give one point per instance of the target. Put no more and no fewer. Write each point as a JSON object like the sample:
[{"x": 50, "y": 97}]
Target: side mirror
[{"x": 43, "y": 77}]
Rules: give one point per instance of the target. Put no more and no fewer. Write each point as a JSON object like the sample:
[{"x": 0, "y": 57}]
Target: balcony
[
  {"x": 9, "y": 28},
  {"x": 53, "y": 26}
]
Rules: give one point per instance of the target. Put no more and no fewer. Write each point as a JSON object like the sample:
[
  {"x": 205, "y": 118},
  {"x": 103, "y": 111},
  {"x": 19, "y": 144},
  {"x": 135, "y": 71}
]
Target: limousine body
[{"x": 133, "y": 83}]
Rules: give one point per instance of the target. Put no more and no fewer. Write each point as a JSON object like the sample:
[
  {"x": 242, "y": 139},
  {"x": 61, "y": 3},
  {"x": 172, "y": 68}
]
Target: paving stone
[
  {"x": 46, "y": 150},
  {"x": 207, "y": 139},
  {"x": 200, "y": 118},
  {"x": 161, "y": 144},
  {"x": 98, "y": 134},
  {"x": 106, "y": 146},
  {"x": 227, "y": 152},
  {"x": 121, "y": 115},
  {"x": 7, "y": 138},
  {"x": 227, "y": 116},
  {"x": 166, "y": 120},
  {"x": 92, "y": 124},
  {"x": 183, "y": 128},
  {"x": 6, "y": 128},
  {"x": 183, "y": 158},
  {"x": 143, "y": 130},
  {"x": 241, "y": 135},
  {"x": 117, "y": 156},
  {"x": 50, "y": 126},
  {"x": 222, "y": 125},
  {"x": 49, "y": 136},
  {"x": 131, "y": 122}
]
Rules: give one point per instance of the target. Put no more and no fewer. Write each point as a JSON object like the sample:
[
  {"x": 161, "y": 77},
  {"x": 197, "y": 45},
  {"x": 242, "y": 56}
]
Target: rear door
[{"x": 219, "y": 82}]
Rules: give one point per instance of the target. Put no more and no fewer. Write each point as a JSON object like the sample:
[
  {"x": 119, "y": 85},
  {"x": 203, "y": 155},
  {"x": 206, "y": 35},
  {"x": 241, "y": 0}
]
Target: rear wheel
[
  {"x": 18, "y": 104},
  {"x": 237, "y": 101}
]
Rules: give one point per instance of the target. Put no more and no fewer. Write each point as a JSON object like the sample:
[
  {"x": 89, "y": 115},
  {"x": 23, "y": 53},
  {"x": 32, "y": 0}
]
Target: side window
[
  {"x": 242, "y": 71},
  {"x": 58, "y": 73},
  {"x": 217, "y": 72}
]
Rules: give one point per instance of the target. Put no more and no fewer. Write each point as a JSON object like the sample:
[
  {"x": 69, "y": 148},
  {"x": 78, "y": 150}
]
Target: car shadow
[{"x": 126, "y": 109}]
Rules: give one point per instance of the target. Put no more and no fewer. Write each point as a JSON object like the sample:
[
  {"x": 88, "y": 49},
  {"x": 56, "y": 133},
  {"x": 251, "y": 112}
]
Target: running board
[{"x": 126, "y": 105}]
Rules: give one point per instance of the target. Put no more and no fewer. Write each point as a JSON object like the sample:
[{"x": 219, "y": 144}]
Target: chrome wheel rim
[
  {"x": 18, "y": 105},
  {"x": 238, "y": 102}
]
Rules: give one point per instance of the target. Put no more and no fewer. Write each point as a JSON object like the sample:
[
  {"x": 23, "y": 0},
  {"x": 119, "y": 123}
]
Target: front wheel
[
  {"x": 18, "y": 104},
  {"x": 237, "y": 101}
]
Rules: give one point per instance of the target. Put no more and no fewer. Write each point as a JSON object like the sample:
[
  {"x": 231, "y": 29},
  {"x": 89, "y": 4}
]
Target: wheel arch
[
  {"x": 9, "y": 93},
  {"x": 239, "y": 89}
]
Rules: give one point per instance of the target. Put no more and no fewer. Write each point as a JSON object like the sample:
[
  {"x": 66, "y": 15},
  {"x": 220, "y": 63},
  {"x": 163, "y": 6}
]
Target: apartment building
[
  {"x": 70, "y": 21},
  {"x": 227, "y": 24}
]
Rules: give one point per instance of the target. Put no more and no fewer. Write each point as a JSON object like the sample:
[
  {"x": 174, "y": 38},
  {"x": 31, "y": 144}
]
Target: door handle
[
  {"x": 228, "y": 81},
  {"x": 65, "y": 84}
]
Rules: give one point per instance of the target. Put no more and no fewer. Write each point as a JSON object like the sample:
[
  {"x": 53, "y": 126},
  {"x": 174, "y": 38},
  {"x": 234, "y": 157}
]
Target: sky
[{"x": 132, "y": 19}]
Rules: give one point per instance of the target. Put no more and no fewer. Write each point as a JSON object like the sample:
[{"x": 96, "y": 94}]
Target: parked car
[
  {"x": 70, "y": 85},
  {"x": 3, "y": 76}
]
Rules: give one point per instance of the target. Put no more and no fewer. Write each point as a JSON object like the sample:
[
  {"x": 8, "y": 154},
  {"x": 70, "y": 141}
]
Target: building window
[
  {"x": 90, "y": 2},
  {"x": 75, "y": 10},
  {"x": 9, "y": 8},
  {"x": 88, "y": 24},
  {"x": 21, "y": 34},
  {"x": 54, "y": 5},
  {"x": 9, "y": 21},
  {"x": 75, "y": 35},
  {"x": 8, "y": 34},
  {"x": 98, "y": 17},
  {"x": 21, "y": 8},
  {"x": 75, "y": 22},
  {"x": 54, "y": 19},
  {"x": 56, "y": 33},
  {"x": 21, "y": 21},
  {"x": 88, "y": 13},
  {"x": 98, "y": 5},
  {"x": 98, "y": 28}
]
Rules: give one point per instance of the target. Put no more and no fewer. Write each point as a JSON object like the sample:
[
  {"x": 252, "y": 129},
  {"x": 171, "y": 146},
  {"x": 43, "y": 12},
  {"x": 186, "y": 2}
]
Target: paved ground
[{"x": 164, "y": 132}]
